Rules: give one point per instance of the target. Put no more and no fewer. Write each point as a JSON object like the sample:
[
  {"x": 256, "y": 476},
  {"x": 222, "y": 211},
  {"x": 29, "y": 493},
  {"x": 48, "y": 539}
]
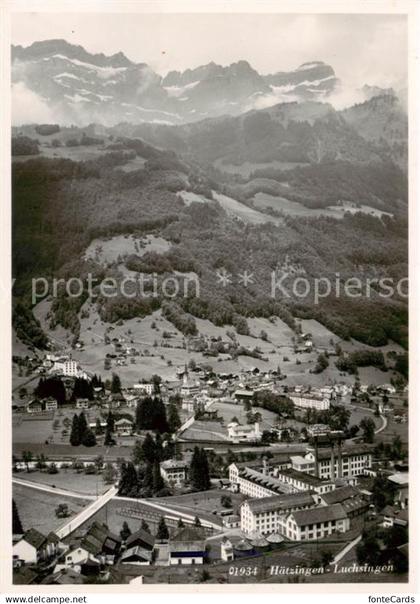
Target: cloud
[{"x": 28, "y": 107}]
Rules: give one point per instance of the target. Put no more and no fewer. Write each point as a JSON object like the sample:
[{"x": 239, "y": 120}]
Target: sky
[{"x": 362, "y": 49}]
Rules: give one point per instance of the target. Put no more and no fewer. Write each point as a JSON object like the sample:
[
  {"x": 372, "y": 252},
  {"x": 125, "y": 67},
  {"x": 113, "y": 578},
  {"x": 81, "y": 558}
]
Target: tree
[
  {"x": 197, "y": 521},
  {"x": 125, "y": 532},
  {"x": 115, "y": 384},
  {"x": 109, "y": 439},
  {"x": 180, "y": 523},
  {"x": 226, "y": 501},
  {"x": 99, "y": 463},
  {"x": 199, "y": 470},
  {"x": 98, "y": 427},
  {"x": 16, "y": 523},
  {"x": 145, "y": 527},
  {"x": 62, "y": 510},
  {"x": 109, "y": 474},
  {"x": 75, "y": 437},
  {"x": 89, "y": 438},
  {"x": 162, "y": 531},
  {"x": 367, "y": 425},
  {"x": 157, "y": 484},
  {"x": 174, "y": 421},
  {"x": 149, "y": 448},
  {"x": 27, "y": 458}
]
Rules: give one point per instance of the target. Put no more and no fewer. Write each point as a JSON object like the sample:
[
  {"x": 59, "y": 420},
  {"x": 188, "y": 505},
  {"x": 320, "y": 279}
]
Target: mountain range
[{"x": 82, "y": 87}]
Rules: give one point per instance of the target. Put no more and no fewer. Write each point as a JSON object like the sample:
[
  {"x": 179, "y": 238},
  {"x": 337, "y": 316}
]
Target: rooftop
[
  {"x": 340, "y": 495},
  {"x": 302, "y": 476},
  {"x": 280, "y": 502},
  {"x": 321, "y": 514}
]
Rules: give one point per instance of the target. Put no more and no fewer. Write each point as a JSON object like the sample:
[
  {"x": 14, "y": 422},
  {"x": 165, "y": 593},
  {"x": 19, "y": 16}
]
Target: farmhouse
[
  {"x": 174, "y": 471},
  {"x": 34, "y": 547},
  {"x": 187, "y": 546},
  {"x": 50, "y": 404},
  {"x": 34, "y": 406},
  {"x": 137, "y": 555},
  {"x": 314, "y": 523},
  {"x": 124, "y": 427}
]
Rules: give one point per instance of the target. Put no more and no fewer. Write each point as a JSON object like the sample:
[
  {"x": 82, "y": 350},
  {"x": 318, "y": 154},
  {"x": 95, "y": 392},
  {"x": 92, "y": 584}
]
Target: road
[{"x": 85, "y": 514}]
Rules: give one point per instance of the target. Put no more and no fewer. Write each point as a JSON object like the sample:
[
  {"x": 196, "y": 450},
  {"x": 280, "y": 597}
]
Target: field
[
  {"x": 87, "y": 484},
  {"x": 295, "y": 208},
  {"x": 243, "y": 212},
  {"x": 30, "y": 429},
  {"x": 247, "y": 167},
  {"x": 105, "y": 251},
  {"x": 229, "y": 410},
  {"x": 37, "y": 508}
]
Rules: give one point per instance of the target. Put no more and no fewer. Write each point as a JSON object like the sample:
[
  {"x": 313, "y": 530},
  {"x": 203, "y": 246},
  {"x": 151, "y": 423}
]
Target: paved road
[{"x": 85, "y": 514}]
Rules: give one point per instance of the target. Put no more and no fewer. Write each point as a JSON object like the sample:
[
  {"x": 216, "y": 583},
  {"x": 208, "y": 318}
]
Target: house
[
  {"x": 100, "y": 542},
  {"x": 123, "y": 427},
  {"x": 82, "y": 403},
  {"x": 226, "y": 550},
  {"x": 238, "y": 433},
  {"x": 399, "y": 482},
  {"x": 232, "y": 521},
  {"x": 314, "y": 523},
  {"x": 394, "y": 517},
  {"x": 141, "y": 539},
  {"x": 174, "y": 471},
  {"x": 243, "y": 394},
  {"x": 137, "y": 555},
  {"x": 34, "y": 406},
  {"x": 187, "y": 546},
  {"x": 65, "y": 576},
  {"x": 50, "y": 404},
  {"x": 77, "y": 556},
  {"x": 34, "y": 547}
]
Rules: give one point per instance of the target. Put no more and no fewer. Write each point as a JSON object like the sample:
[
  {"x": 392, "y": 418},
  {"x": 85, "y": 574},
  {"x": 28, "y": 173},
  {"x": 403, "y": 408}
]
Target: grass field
[
  {"x": 37, "y": 508},
  {"x": 105, "y": 251},
  {"x": 68, "y": 479}
]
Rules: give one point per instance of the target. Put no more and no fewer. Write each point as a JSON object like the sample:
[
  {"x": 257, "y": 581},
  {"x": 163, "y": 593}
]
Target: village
[{"x": 200, "y": 477}]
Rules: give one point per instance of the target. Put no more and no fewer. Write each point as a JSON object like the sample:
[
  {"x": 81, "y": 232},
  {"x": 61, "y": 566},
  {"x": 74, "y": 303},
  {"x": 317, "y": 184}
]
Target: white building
[
  {"x": 253, "y": 483},
  {"x": 301, "y": 481},
  {"x": 315, "y": 523},
  {"x": 349, "y": 461},
  {"x": 34, "y": 547},
  {"x": 144, "y": 388},
  {"x": 248, "y": 433},
  {"x": 226, "y": 550},
  {"x": 66, "y": 366},
  {"x": 310, "y": 401},
  {"x": 174, "y": 471},
  {"x": 124, "y": 427},
  {"x": 263, "y": 515}
]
